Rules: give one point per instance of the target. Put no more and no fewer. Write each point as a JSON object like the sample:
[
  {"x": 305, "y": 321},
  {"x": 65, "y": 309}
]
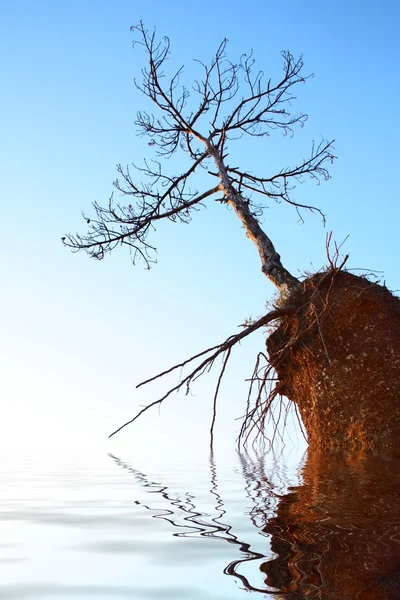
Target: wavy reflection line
[
  {"x": 258, "y": 489},
  {"x": 244, "y": 547},
  {"x": 198, "y": 523}
]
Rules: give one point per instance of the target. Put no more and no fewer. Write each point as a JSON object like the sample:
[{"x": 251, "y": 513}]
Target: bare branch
[
  {"x": 265, "y": 107},
  {"x": 279, "y": 186},
  {"x": 131, "y": 225}
]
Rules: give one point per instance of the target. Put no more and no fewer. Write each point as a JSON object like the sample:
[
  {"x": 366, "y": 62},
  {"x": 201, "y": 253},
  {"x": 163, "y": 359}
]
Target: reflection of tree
[
  {"x": 232, "y": 568},
  {"x": 337, "y": 536},
  {"x": 191, "y": 523},
  {"x": 259, "y": 489}
]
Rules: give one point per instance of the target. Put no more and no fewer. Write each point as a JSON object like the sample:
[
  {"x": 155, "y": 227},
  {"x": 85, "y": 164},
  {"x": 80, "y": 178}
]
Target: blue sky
[{"x": 77, "y": 335}]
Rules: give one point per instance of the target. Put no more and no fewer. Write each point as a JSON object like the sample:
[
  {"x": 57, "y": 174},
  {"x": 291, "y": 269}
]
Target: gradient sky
[{"x": 77, "y": 334}]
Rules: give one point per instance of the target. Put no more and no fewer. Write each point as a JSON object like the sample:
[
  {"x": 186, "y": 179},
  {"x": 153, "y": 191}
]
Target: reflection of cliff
[{"x": 337, "y": 536}]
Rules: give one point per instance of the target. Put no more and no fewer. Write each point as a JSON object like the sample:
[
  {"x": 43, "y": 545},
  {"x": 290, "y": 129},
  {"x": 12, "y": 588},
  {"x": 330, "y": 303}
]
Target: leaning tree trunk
[
  {"x": 338, "y": 359},
  {"x": 271, "y": 264}
]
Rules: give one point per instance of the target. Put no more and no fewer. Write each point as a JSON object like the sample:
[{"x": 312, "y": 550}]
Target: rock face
[{"x": 338, "y": 359}]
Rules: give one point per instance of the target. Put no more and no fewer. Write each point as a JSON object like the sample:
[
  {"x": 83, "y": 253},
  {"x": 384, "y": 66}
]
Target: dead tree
[{"x": 228, "y": 101}]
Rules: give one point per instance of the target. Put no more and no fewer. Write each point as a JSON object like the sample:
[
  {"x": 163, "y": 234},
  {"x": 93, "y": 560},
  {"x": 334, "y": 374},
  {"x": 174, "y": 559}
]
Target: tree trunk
[{"x": 271, "y": 264}]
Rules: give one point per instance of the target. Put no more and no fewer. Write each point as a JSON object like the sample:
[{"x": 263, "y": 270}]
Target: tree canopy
[{"x": 228, "y": 101}]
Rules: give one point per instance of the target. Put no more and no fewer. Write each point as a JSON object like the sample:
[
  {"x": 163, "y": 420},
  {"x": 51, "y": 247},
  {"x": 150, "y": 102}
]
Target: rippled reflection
[
  {"x": 335, "y": 537},
  {"x": 191, "y": 523}
]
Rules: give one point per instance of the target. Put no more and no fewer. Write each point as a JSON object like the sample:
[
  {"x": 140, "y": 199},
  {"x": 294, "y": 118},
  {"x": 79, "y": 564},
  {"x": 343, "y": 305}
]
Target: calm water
[{"x": 326, "y": 526}]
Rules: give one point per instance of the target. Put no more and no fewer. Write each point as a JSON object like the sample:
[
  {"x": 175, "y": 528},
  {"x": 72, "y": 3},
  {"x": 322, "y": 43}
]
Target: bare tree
[{"x": 228, "y": 101}]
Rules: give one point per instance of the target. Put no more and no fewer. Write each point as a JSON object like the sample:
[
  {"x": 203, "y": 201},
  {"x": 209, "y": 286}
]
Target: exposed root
[
  {"x": 308, "y": 363},
  {"x": 206, "y": 364},
  {"x": 226, "y": 358},
  {"x": 267, "y": 401}
]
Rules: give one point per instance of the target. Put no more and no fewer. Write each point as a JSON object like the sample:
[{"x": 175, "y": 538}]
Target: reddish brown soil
[{"x": 338, "y": 358}]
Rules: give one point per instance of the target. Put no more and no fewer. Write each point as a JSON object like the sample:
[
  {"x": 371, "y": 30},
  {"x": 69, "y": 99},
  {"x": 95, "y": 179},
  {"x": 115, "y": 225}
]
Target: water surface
[{"x": 324, "y": 526}]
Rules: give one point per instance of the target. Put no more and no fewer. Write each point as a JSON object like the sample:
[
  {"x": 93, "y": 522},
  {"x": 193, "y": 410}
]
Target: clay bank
[{"x": 338, "y": 358}]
